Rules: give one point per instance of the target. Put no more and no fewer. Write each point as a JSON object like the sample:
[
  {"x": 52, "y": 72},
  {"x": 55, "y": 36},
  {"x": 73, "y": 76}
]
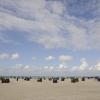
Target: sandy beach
[{"x": 46, "y": 90}]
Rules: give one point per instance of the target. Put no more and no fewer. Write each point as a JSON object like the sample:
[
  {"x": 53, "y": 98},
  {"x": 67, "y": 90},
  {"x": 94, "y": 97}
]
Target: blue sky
[{"x": 49, "y": 37}]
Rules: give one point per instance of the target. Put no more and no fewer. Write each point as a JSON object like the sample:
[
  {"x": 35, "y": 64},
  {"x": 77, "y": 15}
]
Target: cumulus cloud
[
  {"x": 53, "y": 24},
  {"x": 97, "y": 67},
  {"x": 12, "y": 56},
  {"x": 49, "y": 58},
  {"x": 82, "y": 67},
  {"x": 61, "y": 69},
  {"x": 15, "y": 56},
  {"x": 4, "y": 56},
  {"x": 51, "y": 67},
  {"x": 65, "y": 58},
  {"x": 61, "y": 66},
  {"x": 27, "y": 67},
  {"x": 20, "y": 69},
  {"x": 48, "y": 68}
]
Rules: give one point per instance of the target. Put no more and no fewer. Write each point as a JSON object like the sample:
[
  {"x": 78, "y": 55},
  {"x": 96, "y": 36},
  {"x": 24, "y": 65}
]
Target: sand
[{"x": 32, "y": 90}]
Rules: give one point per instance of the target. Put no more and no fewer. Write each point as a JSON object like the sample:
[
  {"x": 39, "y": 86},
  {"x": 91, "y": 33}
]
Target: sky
[{"x": 50, "y": 37}]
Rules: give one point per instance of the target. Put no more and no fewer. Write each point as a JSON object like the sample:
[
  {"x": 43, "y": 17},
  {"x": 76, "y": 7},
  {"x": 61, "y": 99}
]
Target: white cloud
[
  {"x": 18, "y": 65},
  {"x": 49, "y": 58},
  {"x": 21, "y": 69},
  {"x": 74, "y": 68},
  {"x": 65, "y": 58},
  {"x": 27, "y": 67},
  {"x": 7, "y": 56},
  {"x": 97, "y": 67},
  {"x": 90, "y": 68},
  {"x": 61, "y": 66},
  {"x": 4, "y": 56},
  {"x": 15, "y": 56},
  {"x": 33, "y": 58},
  {"x": 82, "y": 67},
  {"x": 46, "y": 67},
  {"x": 51, "y": 26},
  {"x": 51, "y": 67},
  {"x": 57, "y": 7},
  {"x": 61, "y": 69}
]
